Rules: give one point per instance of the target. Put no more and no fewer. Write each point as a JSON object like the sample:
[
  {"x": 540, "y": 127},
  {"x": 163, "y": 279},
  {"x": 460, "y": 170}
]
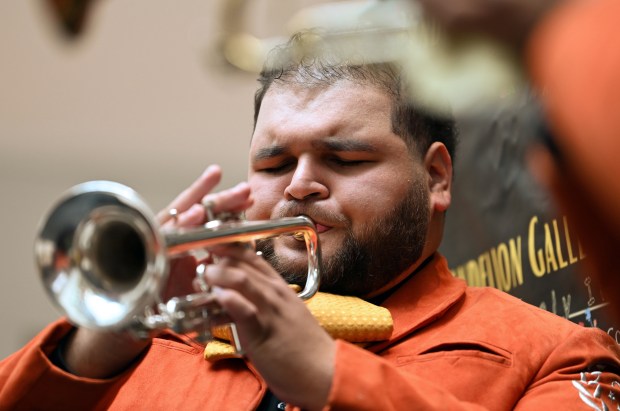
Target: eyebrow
[
  {"x": 329, "y": 144},
  {"x": 268, "y": 152},
  {"x": 339, "y": 144}
]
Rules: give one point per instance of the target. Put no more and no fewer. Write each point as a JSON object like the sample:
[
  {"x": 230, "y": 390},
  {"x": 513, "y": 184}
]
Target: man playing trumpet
[{"x": 342, "y": 144}]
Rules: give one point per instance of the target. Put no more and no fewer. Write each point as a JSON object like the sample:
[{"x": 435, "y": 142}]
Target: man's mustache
[{"x": 313, "y": 211}]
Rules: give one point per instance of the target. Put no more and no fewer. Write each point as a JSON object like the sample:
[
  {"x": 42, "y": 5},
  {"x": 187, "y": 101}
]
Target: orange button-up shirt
[{"x": 453, "y": 347}]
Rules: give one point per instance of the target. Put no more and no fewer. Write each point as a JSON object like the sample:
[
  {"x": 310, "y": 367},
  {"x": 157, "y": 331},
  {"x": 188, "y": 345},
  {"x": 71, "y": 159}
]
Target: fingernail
[
  {"x": 212, "y": 169},
  {"x": 217, "y": 291}
]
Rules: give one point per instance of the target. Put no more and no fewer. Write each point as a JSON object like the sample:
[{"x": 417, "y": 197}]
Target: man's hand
[
  {"x": 278, "y": 333},
  {"x": 189, "y": 206},
  {"x": 190, "y": 213},
  {"x": 103, "y": 354}
]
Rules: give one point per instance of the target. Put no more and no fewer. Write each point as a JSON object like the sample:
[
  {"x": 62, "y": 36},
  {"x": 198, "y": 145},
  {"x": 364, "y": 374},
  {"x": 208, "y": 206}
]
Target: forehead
[
  {"x": 342, "y": 109},
  {"x": 342, "y": 96}
]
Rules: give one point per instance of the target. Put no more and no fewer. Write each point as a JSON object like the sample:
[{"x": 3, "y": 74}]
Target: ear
[{"x": 438, "y": 164}]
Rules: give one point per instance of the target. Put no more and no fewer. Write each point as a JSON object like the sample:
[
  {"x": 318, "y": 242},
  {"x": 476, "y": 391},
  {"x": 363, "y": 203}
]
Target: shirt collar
[{"x": 423, "y": 298}]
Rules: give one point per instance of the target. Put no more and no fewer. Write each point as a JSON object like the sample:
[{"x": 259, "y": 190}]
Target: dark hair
[{"x": 320, "y": 65}]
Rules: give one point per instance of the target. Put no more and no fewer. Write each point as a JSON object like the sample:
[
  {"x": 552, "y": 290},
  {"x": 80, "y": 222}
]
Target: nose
[{"x": 306, "y": 182}]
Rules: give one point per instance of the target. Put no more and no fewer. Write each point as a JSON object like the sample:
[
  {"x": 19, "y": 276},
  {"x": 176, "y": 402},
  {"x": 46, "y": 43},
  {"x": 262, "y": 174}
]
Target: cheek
[
  {"x": 266, "y": 195},
  {"x": 376, "y": 195},
  {"x": 259, "y": 211}
]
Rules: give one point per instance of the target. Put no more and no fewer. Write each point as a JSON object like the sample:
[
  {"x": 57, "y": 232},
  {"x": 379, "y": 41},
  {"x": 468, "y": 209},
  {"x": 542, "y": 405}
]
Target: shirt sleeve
[
  {"x": 29, "y": 380},
  {"x": 573, "y": 58},
  {"x": 580, "y": 373}
]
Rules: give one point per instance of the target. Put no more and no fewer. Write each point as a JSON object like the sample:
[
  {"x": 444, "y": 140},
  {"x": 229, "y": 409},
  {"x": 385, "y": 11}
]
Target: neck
[{"x": 378, "y": 296}]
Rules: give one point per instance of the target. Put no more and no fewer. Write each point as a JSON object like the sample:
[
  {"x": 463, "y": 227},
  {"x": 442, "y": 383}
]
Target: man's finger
[{"x": 194, "y": 193}]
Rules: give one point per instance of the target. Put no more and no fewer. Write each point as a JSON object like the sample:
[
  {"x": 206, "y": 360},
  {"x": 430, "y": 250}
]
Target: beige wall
[{"x": 138, "y": 100}]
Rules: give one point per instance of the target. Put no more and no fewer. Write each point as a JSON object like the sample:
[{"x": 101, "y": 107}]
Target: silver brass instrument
[
  {"x": 460, "y": 75},
  {"x": 104, "y": 260}
]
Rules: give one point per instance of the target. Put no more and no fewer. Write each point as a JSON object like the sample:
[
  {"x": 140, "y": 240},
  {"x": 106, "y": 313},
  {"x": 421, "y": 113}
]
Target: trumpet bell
[{"x": 100, "y": 256}]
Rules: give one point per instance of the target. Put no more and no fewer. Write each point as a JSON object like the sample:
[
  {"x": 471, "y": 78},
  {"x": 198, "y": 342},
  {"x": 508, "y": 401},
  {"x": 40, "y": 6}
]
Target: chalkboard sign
[{"x": 502, "y": 230}]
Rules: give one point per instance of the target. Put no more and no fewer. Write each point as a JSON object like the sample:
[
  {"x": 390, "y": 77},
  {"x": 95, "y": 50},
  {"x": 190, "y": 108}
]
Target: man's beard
[{"x": 388, "y": 245}]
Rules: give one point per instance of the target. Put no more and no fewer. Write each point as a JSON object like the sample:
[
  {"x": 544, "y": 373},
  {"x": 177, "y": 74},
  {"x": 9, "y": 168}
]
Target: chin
[
  {"x": 292, "y": 252},
  {"x": 290, "y": 258}
]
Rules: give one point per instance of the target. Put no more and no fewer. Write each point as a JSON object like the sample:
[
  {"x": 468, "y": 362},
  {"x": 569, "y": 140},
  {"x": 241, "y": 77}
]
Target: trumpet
[{"x": 104, "y": 260}]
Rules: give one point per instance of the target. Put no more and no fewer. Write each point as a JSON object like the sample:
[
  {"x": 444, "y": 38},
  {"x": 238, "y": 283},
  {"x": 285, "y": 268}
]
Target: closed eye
[
  {"x": 348, "y": 163},
  {"x": 276, "y": 169}
]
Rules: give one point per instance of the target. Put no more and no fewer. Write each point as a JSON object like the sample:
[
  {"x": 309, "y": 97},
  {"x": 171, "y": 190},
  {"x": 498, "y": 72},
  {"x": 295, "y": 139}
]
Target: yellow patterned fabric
[{"x": 347, "y": 318}]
